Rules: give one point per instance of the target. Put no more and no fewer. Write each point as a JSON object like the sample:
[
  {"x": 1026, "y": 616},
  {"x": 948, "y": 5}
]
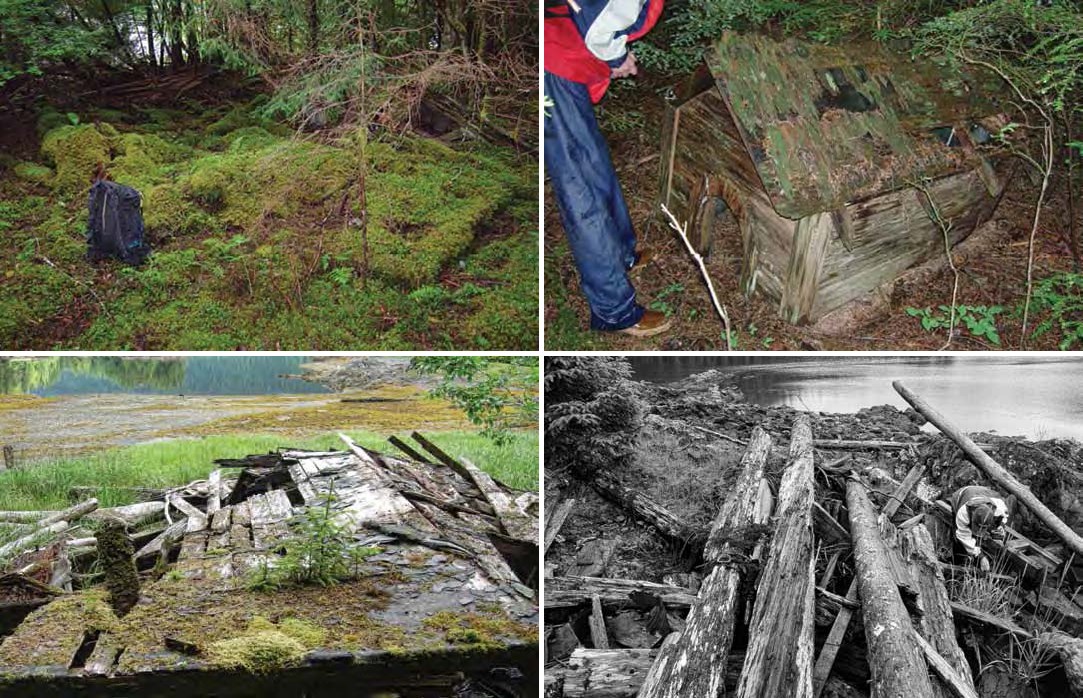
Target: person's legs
[{"x": 592, "y": 208}]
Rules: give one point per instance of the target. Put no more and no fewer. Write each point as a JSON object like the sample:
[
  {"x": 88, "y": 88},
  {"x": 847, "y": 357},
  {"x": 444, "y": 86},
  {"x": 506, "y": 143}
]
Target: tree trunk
[
  {"x": 694, "y": 663},
  {"x": 313, "y": 27},
  {"x": 1070, "y": 651},
  {"x": 150, "y": 34},
  {"x": 780, "y": 652},
  {"x": 994, "y": 470},
  {"x": 897, "y": 666}
]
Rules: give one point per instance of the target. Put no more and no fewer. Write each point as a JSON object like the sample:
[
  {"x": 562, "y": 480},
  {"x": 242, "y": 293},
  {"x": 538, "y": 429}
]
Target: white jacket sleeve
[
  {"x": 963, "y": 533},
  {"x": 605, "y": 37}
]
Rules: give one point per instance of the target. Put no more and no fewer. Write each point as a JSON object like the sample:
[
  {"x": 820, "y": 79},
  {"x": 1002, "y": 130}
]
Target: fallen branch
[{"x": 682, "y": 231}]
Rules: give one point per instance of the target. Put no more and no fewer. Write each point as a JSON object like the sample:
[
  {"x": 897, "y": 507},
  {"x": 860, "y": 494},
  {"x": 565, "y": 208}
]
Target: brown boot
[
  {"x": 644, "y": 256},
  {"x": 652, "y": 323}
]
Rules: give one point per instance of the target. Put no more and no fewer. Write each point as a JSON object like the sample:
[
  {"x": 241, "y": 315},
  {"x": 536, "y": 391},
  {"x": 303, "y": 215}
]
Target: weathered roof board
[
  {"x": 379, "y": 627},
  {"x": 830, "y": 125}
]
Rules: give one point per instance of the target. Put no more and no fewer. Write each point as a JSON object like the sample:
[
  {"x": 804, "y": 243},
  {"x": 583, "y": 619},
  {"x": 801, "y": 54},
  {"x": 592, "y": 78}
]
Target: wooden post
[
  {"x": 780, "y": 654},
  {"x": 895, "y": 661},
  {"x": 9, "y": 457},
  {"x": 694, "y": 663},
  {"x": 994, "y": 470}
]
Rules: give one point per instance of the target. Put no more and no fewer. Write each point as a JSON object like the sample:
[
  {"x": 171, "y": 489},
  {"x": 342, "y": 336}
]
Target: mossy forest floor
[{"x": 257, "y": 238}]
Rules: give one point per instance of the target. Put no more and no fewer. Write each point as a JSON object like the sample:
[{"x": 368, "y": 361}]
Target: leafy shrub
[
  {"x": 979, "y": 320},
  {"x": 1060, "y": 299}
]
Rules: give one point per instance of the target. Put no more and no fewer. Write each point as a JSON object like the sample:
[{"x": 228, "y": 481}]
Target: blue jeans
[{"x": 592, "y": 207}]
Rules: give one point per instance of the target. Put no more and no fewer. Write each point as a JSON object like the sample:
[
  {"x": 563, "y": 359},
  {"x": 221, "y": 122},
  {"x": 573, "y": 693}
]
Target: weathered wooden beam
[
  {"x": 956, "y": 683},
  {"x": 827, "y": 527},
  {"x": 693, "y": 663},
  {"x": 214, "y": 493},
  {"x": 405, "y": 448},
  {"x": 780, "y": 654},
  {"x": 994, "y": 470},
  {"x": 197, "y": 520},
  {"x": 555, "y": 522},
  {"x": 598, "y": 636},
  {"x": 515, "y": 523},
  {"x": 440, "y": 455},
  {"x": 570, "y": 592},
  {"x": 898, "y": 669}
]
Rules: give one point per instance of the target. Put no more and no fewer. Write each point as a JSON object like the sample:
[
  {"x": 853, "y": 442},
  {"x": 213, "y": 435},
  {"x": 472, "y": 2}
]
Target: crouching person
[{"x": 980, "y": 514}]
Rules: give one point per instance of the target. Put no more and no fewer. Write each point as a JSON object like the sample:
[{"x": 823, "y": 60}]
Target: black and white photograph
[{"x": 840, "y": 526}]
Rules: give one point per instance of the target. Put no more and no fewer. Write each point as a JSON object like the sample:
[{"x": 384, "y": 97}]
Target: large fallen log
[
  {"x": 693, "y": 663},
  {"x": 34, "y": 539},
  {"x": 835, "y": 637},
  {"x": 71, "y": 514},
  {"x": 935, "y": 624},
  {"x": 1070, "y": 651},
  {"x": 132, "y": 514},
  {"x": 647, "y": 509},
  {"x": 994, "y": 470},
  {"x": 780, "y": 654},
  {"x": 897, "y": 666}
]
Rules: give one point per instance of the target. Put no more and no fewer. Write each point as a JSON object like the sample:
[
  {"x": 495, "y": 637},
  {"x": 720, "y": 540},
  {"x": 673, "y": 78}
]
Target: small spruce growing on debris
[{"x": 322, "y": 551}]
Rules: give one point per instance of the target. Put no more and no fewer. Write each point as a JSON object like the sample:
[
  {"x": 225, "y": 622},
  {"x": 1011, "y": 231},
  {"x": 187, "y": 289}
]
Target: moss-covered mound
[{"x": 258, "y": 239}]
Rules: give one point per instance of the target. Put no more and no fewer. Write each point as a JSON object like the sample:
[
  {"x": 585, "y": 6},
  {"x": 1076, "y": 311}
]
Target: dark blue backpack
[{"x": 115, "y": 224}]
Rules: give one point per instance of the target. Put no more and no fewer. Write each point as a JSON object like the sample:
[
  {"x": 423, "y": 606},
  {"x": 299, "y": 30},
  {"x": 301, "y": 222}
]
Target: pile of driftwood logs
[
  {"x": 757, "y": 619},
  {"x": 450, "y": 539}
]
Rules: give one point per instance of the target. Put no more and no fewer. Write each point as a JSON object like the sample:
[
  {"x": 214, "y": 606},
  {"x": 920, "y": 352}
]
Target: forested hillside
[{"x": 315, "y": 174}]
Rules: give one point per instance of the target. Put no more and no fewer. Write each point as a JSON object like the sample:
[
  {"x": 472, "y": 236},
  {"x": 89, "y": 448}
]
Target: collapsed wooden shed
[
  {"x": 441, "y": 599},
  {"x": 843, "y": 165}
]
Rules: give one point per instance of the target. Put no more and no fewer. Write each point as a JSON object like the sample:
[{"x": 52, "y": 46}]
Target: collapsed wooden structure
[
  {"x": 757, "y": 619},
  {"x": 842, "y": 165},
  {"x": 444, "y": 590}
]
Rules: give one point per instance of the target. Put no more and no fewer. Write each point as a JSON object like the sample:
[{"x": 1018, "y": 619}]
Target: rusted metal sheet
[{"x": 836, "y": 124}]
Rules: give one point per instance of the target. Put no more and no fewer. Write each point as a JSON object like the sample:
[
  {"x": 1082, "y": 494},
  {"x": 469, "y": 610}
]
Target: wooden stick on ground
[
  {"x": 895, "y": 661},
  {"x": 780, "y": 654},
  {"x": 693, "y": 664},
  {"x": 993, "y": 469}
]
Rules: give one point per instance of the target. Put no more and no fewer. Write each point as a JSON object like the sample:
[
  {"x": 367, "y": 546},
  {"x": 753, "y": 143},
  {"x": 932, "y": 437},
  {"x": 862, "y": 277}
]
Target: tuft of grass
[{"x": 45, "y": 485}]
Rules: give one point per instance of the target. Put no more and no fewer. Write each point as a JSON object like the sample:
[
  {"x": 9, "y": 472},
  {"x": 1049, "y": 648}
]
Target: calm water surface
[
  {"x": 195, "y": 375},
  {"x": 1034, "y": 397}
]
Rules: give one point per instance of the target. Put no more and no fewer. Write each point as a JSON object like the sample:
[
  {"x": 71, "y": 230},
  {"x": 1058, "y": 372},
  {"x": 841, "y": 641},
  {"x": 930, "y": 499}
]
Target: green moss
[
  {"x": 489, "y": 628},
  {"x": 33, "y": 172},
  {"x": 77, "y": 151},
  {"x": 50, "y": 635},
  {"x": 260, "y": 652}
]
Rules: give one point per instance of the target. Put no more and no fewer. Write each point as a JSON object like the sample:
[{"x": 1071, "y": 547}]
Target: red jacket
[{"x": 566, "y": 52}]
